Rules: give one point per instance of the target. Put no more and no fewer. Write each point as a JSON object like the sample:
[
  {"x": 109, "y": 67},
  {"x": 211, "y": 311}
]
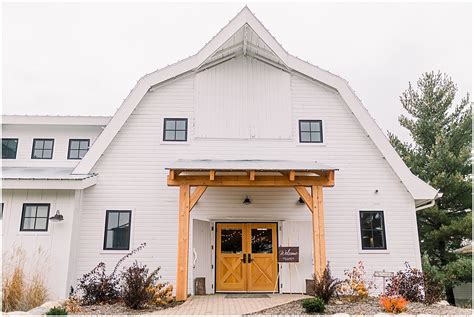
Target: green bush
[
  {"x": 57, "y": 311},
  {"x": 313, "y": 305}
]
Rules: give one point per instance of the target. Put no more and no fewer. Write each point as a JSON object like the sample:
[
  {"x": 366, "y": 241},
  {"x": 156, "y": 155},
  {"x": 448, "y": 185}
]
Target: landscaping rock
[
  {"x": 38, "y": 311},
  {"x": 369, "y": 306},
  {"x": 17, "y": 313}
]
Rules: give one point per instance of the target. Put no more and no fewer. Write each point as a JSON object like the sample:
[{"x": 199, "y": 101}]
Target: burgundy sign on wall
[{"x": 288, "y": 254}]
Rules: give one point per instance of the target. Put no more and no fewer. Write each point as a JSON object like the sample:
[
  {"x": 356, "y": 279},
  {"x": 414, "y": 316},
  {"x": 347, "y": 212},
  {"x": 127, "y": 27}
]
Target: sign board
[
  {"x": 288, "y": 254},
  {"x": 383, "y": 274}
]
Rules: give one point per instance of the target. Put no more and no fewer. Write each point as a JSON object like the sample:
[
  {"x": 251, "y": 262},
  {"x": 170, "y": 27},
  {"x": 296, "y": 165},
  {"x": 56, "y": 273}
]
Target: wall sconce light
[
  {"x": 247, "y": 201},
  {"x": 57, "y": 217},
  {"x": 300, "y": 201}
]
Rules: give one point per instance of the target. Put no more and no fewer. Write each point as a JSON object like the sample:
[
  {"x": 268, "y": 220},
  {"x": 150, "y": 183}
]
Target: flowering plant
[
  {"x": 356, "y": 285},
  {"x": 393, "y": 304}
]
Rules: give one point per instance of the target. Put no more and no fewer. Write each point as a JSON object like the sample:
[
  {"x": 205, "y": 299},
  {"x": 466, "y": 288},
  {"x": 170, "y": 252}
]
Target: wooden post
[
  {"x": 319, "y": 243},
  {"x": 183, "y": 243}
]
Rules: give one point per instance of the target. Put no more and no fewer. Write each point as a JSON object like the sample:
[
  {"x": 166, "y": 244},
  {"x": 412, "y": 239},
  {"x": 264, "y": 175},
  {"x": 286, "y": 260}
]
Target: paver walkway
[{"x": 218, "y": 304}]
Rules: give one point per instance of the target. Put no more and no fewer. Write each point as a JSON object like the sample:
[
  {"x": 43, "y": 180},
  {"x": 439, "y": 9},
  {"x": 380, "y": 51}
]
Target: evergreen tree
[{"x": 440, "y": 154}]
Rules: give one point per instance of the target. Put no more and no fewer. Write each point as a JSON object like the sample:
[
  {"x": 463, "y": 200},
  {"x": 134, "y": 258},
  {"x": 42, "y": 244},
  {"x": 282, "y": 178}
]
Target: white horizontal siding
[
  {"x": 132, "y": 176},
  {"x": 61, "y": 135}
]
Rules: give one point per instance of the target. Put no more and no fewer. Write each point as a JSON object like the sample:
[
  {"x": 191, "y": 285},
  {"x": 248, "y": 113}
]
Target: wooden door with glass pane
[
  {"x": 246, "y": 257},
  {"x": 231, "y": 273},
  {"x": 262, "y": 257}
]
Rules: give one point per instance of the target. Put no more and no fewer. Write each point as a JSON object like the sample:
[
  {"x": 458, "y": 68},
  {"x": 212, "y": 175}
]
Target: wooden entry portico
[{"x": 200, "y": 174}]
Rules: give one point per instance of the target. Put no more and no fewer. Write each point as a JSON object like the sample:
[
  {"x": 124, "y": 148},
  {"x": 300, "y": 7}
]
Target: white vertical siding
[
  {"x": 201, "y": 253},
  {"x": 132, "y": 175},
  {"x": 55, "y": 243},
  {"x": 243, "y": 98}
]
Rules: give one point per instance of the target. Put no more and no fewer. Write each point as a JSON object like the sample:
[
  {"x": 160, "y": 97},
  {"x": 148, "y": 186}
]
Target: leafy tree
[{"x": 440, "y": 154}]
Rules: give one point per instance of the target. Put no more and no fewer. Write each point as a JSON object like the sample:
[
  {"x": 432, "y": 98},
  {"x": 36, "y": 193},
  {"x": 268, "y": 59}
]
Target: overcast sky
[{"x": 83, "y": 58}]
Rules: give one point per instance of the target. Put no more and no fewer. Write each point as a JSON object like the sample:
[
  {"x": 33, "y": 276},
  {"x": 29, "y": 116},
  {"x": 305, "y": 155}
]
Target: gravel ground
[
  {"x": 119, "y": 309},
  {"x": 369, "y": 306}
]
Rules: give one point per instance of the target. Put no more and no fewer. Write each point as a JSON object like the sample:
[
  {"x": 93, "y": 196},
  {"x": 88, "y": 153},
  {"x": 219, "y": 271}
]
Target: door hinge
[
  {"x": 281, "y": 285},
  {"x": 212, "y": 247},
  {"x": 212, "y": 286},
  {"x": 212, "y": 266},
  {"x": 212, "y": 228}
]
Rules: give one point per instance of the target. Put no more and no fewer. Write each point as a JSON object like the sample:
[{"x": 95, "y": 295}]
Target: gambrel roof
[{"x": 246, "y": 35}]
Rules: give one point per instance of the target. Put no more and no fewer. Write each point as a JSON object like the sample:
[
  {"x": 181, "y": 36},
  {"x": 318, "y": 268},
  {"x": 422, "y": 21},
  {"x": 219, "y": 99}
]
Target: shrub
[
  {"x": 73, "y": 305},
  {"x": 57, "y": 311},
  {"x": 407, "y": 283},
  {"x": 356, "y": 285},
  {"x": 393, "y": 304},
  {"x": 97, "y": 287},
  {"x": 313, "y": 305},
  {"x": 22, "y": 291},
  {"x": 325, "y": 286},
  {"x": 161, "y": 294},
  {"x": 433, "y": 289},
  {"x": 136, "y": 283}
]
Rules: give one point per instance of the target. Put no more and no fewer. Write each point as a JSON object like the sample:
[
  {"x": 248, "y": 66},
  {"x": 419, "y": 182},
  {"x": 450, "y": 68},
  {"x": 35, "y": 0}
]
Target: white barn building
[{"x": 240, "y": 123}]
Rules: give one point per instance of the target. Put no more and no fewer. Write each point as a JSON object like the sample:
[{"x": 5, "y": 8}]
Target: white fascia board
[
  {"x": 56, "y": 120},
  {"x": 418, "y": 189},
  {"x": 48, "y": 183}
]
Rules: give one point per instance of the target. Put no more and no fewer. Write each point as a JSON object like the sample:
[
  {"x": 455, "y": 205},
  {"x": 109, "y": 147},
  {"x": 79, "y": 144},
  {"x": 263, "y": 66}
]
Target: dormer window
[
  {"x": 9, "y": 147},
  {"x": 175, "y": 130},
  {"x": 311, "y": 131},
  {"x": 42, "y": 149},
  {"x": 77, "y": 149}
]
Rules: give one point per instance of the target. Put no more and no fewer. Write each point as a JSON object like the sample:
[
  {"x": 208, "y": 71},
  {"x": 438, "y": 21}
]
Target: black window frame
[
  {"x": 33, "y": 149},
  {"x": 16, "y": 149},
  {"x": 185, "y": 130},
  {"x": 23, "y": 217},
  {"x": 310, "y": 131},
  {"x": 383, "y": 230},
  {"x": 79, "y": 149},
  {"x": 107, "y": 213}
]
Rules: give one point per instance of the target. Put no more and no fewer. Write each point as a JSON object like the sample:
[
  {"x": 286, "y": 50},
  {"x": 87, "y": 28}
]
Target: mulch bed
[
  {"x": 120, "y": 309},
  {"x": 369, "y": 306}
]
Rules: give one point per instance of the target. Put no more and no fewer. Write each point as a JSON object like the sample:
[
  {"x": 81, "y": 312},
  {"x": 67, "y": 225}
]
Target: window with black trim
[
  {"x": 42, "y": 149},
  {"x": 35, "y": 217},
  {"x": 9, "y": 147},
  {"x": 117, "y": 230},
  {"x": 175, "y": 130},
  {"x": 372, "y": 228},
  {"x": 311, "y": 131},
  {"x": 77, "y": 148}
]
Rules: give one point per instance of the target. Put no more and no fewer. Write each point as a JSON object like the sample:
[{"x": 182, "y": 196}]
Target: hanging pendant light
[{"x": 247, "y": 201}]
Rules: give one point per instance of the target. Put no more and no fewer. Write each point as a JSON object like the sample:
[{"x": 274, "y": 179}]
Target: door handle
[
  {"x": 244, "y": 258},
  {"x": 249, "y": 257}
]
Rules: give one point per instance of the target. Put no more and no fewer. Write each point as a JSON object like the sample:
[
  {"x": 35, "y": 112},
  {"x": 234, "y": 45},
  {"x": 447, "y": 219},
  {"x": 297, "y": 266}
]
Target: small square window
[
  {"x": 175, "y": 130},
  {"x": 35, "y": 217},
  {"x": 372, "y": 230},
  {"x": 42, "y": 149},
  {"x": 311, "y": 131},
  {"x": 117, "y": 230},
  {"x": 9, "y": 147},
  {"x": 77, "y": 148}
]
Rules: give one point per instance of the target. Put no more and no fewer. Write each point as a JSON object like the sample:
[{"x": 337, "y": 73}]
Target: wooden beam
[
  {"x": 171, "y": 175},
  {"x": 305, "y": 195},
  {"x": 292, "y": 176},
  {"x": 319, "y": 243},
  {"x": 195, "y": 196},
  {"x": 252, "y": 175},
  {"x": 212, "y": 175},
  {"x": 183, "y": 244},
  {"x": 244, "y": 181}
]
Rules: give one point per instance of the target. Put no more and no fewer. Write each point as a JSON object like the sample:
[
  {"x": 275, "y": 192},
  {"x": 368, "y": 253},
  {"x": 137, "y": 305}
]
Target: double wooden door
[{"x": 246, "y": 257}]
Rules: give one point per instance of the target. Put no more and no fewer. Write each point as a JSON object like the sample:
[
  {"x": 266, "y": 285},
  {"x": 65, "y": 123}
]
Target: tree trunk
[{"x": 450, "y": 295}]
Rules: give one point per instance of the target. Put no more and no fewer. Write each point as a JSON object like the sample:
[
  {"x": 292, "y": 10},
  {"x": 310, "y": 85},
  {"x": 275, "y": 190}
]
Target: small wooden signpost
[
  {"x": 383, "y": 274},
  {"x": 290, "y": 255}
]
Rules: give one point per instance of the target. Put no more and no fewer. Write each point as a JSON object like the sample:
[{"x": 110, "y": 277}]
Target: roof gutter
[{"x": 430, "y": 203}]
